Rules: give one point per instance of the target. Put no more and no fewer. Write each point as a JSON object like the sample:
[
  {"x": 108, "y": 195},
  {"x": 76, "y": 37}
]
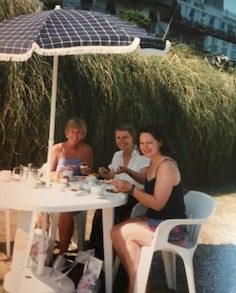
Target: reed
[
  {"x": 10, "y": 8},
  {"x": 194, "y": 103}
]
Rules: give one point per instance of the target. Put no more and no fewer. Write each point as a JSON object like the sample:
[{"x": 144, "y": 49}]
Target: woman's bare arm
[
  {"x": 167, "y": 176},
  {"x": 139, "y": 177}
]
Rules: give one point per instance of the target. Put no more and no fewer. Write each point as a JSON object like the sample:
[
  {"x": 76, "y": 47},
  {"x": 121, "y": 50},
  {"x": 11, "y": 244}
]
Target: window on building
[
  {"x": 202, "y": 18},
  {"x": 199, "y": 5},
  {"x": 111, "y": 8},
  {"x": 153, "y": 18},
  {"x": 224, "y": 51},
  {"x": 214, "y": 41},
  {"x": 86, "y": 4},
  {"x": 214, "y": 48},
  {"x": 222, "y": 26},
  {"x": 192, "y": 14},
  {"x": 230, "y": 29},
  {"x": 212, "y": 21},
  {"x": 233, "y": 55}
]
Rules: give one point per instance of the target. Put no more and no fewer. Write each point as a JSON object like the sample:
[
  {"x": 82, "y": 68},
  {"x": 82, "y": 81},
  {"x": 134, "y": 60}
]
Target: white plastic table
[{"x": 27, "y": 200}]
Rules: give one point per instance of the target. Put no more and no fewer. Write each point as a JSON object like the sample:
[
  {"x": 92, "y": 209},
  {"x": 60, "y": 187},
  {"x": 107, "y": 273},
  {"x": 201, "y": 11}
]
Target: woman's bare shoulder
[
  {"x": 85, "y": 147},
  {"x": 58, "y": 147},
  {"x": 168, "y": 165},
  {"x": 169, "y": 169}
]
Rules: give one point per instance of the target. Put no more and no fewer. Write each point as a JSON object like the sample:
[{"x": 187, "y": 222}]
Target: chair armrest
[
  {"x": 138, "y": 210},
  {"x": 165, "y": 227}
]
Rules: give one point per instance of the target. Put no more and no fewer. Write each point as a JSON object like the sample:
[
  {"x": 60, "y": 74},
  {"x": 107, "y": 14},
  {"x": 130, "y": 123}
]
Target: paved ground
[{"x": 214, "y": 260}]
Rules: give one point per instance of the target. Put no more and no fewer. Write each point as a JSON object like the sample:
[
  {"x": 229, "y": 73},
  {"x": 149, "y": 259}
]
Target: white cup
[
  {"x": 96, "y": 191},
  {"x": 66, "y": 173},
  {"x": 91, "y": 179},
  {"x": 5, "y": 175}
]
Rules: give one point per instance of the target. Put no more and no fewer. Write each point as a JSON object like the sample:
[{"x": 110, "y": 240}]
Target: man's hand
[
  {"x": 103, "y": 172},
  {"x": 121, "y": 169}
]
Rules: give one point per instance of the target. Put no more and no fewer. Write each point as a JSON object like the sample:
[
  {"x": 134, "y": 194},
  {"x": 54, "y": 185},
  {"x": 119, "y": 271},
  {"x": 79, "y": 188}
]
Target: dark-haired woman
[{"x": 162, "y": 195}]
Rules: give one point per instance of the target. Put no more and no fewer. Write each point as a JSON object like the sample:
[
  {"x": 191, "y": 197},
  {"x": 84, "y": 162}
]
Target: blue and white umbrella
[{"x": 61, "y": 32}]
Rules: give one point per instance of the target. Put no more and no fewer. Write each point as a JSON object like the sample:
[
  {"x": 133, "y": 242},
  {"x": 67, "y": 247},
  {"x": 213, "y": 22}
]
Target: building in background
[
  {"x": 202, "y": 23},
  {"x": 207, "y": 26}
]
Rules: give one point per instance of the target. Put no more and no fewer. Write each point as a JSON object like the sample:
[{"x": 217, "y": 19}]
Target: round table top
[{"x": 19, "y": 196}]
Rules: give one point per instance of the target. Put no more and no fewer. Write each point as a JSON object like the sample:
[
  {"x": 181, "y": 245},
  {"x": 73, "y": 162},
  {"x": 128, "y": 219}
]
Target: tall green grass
[
  {"x": 25, "y": 100},
  {"x": 193, "y": 102},
  {"x": 10, "y": 8}
]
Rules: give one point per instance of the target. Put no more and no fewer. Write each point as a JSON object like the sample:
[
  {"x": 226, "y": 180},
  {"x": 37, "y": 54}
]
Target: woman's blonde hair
[{"x": 78, "y": 124}]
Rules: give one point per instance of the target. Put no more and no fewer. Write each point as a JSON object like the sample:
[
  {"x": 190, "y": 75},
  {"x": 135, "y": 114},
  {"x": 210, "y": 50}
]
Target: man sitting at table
[{"x": 127, "y": 164}]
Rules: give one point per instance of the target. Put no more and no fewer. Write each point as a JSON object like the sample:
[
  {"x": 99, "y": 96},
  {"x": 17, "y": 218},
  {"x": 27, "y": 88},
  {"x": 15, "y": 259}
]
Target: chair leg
[
  {"x": 80, "y": 225},
  {"x": 143, "y": 269},
  {"x": 169, "y": 259},
  {"x": 52, "y": 236},
  {"x": 188, "y": 264},
  {"x": 7, "y": 227},
  {"x": 53, "y": 226},
  {"x": 116, "y": 267}
]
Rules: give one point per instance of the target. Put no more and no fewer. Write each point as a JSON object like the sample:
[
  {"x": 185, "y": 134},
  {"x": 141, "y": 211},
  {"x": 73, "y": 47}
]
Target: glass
[
  {"x": 66, "y": 173},
  {"x": 32, "y": 177},
  {"x": 23, "y": 173},
  {"x": 16, "y": 173},
  {"x": 20, "y": 173}
]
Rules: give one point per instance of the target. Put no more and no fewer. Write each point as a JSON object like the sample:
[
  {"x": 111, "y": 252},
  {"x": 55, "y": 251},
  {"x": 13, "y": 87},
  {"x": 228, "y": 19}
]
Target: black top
[{"x": 174, "y": 208}]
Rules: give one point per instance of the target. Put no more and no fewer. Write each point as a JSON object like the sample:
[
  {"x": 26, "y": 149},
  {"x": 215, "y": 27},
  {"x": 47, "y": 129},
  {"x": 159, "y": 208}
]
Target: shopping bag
[
  {"x": 40, "y": 245},
  {"x": 84, "y": 271},
  {"x": 90, "y": 276}
]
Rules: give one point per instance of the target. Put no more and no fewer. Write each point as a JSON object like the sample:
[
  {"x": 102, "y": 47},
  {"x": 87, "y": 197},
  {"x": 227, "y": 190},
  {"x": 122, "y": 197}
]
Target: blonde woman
[{"x": 71, "y": 154}]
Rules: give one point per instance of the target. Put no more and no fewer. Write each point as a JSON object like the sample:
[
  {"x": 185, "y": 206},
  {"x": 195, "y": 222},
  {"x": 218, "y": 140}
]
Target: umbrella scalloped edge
[{"x": 86, "y": 50}]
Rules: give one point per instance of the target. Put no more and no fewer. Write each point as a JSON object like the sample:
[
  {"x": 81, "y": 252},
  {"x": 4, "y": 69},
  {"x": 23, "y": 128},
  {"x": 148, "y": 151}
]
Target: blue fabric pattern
[{"x": 72, "y": 163}]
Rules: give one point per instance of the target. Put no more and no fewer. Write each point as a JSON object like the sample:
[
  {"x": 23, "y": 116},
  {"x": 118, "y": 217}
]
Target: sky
[{"x": 230, "y": 5}]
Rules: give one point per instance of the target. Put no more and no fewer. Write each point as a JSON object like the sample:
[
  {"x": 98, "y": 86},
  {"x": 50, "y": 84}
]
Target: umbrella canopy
[{"x": 72, "y": 32}]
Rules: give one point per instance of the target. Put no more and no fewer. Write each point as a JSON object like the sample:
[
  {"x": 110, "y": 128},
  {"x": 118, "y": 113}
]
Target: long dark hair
[{"x": 166, "y": 148}]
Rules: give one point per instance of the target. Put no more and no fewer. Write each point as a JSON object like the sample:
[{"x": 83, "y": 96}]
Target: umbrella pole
[{"x": 52, "y": 118}]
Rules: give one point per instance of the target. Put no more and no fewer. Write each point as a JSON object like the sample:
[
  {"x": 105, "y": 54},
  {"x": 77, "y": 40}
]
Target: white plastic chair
[
  {"x": 199, "y": 207},
  {"x": 7, "y": 230}
]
